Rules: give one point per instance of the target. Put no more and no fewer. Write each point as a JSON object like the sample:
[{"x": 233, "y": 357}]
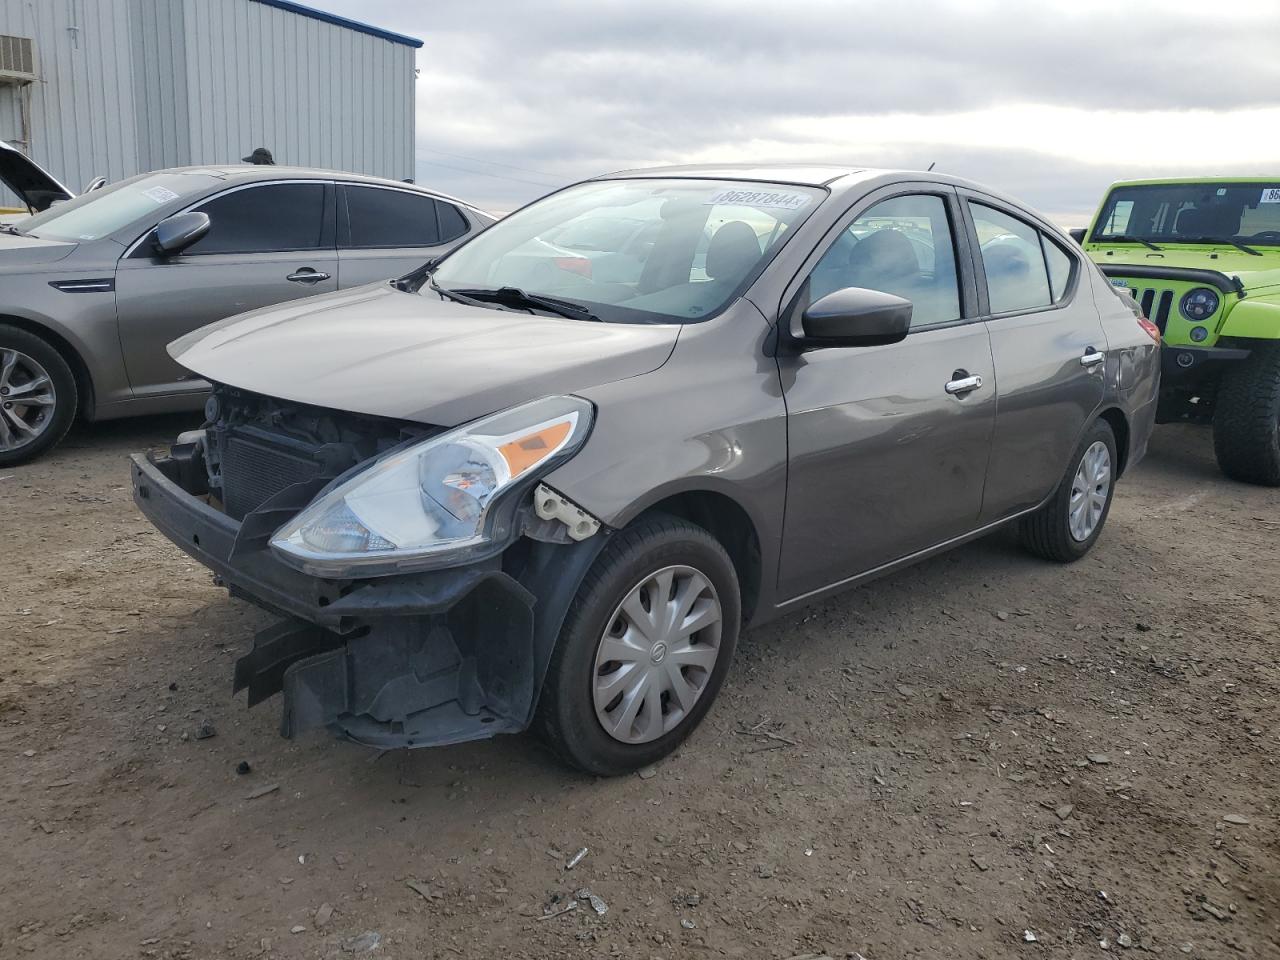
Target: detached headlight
[
  {"x": 437, "y": 502},
  {"x": 1198, "y": 304}
]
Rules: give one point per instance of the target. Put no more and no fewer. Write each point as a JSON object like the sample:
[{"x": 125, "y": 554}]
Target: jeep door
[
  {"x": 267, "y": 243},
  {"x": 385, "y": 232},
  {"x": 1049, "y": 351},
  {"x": 888, "y": 445}
]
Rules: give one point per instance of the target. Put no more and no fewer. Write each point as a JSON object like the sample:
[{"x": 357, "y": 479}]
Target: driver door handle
[
  {"x": 307, "y": 275},
  {"x": 963, "y": 384},
  {"x": 1091, "y": 357}
]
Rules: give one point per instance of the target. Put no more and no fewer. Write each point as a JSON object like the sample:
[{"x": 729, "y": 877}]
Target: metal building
[{"x": 118, "y": 87}]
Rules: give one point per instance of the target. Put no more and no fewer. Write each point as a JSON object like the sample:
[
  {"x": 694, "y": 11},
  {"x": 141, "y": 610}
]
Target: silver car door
[
  {"x": 1049, "y": 351},
  {"x": 888, "y": 445},
  {"x": 267, "y": 243},
  {"x": 385, "y": 232}
]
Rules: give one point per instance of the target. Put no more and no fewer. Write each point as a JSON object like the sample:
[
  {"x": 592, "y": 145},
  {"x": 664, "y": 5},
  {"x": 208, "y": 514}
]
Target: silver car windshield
[
  {"x": 657, "y": 250},
  {"x": 103, "y": 212}
]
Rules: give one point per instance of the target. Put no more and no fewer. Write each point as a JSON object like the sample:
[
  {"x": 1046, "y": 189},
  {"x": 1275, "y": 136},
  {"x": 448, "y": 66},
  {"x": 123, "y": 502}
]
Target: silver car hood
[
  {"x": 380, "y": 351},
  {"x": 18, "y": 252}
]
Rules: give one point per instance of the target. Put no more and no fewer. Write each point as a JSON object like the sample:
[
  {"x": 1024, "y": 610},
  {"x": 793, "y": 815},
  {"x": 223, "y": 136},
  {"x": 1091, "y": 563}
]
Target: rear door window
[
  {"x": 270, "y": 218},
  {"x": 380, "y": 217},
  {"x": 1013, "y": 260}
]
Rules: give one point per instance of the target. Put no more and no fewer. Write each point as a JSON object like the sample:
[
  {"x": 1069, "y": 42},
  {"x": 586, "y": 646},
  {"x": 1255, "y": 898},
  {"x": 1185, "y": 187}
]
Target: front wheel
[
  {"x": 1068, "y": 526},
  {"x": 1246, "y": 419},
  {"x": 37, "y": 396},
  {"x": 644, "y": 649}
]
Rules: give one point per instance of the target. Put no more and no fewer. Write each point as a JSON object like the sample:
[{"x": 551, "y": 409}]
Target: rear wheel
[
  {"x": 1246, "y": 419},
  {"x": 1067, "y": 527},
  {"x": 644, "y": 648},
  {"x": 37, "y": 396}
]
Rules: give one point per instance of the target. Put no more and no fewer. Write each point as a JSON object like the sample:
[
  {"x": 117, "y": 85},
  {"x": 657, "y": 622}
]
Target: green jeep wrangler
[{"x": 1202, "y": 259}]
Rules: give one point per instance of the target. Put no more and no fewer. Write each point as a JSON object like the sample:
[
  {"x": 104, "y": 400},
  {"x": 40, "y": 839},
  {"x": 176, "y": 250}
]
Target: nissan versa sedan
[
  {"x": 478, "y": 507},
  {"x": 93, "y": 288}
]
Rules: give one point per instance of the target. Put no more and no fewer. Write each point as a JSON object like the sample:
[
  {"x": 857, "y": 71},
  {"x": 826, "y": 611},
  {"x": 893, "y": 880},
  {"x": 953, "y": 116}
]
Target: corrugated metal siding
[
  {"x": 160, "y": 84},
  {"x": 134, "y": 85},
  {"x": 333, "y": 97},
  {"x": 82, "y": 121}
]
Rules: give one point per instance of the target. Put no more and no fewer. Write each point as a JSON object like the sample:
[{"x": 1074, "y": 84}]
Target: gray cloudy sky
[{"x": 1049, "y": 101}]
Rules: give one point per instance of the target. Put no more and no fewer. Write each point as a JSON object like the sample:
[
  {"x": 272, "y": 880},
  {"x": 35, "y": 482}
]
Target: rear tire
[
  {"x": 1246, "y": 419},
  {"x": 580, "y": 716},
  {"x": 1059, "y": 530},
  {"x": 32, "y": 370}
]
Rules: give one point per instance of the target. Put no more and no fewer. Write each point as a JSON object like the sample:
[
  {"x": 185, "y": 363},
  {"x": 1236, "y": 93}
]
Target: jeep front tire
[{"x": 1246, "y": 419}]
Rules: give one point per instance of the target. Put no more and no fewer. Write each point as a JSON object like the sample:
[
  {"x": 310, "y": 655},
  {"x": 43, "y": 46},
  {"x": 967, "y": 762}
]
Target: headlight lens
[
  {"x": 1199, "y": 304},
  {"x": 437, "y": 502}
]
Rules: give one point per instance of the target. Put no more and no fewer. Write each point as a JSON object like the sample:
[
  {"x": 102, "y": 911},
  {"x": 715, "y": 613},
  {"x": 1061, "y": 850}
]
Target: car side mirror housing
[
  {"x": 1077, "y": 234},
  {"x": 177, "y": 233},
  {"x": 855, "y": 317}
]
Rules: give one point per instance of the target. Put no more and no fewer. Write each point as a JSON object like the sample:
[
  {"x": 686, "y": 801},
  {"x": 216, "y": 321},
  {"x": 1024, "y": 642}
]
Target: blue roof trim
[{"x": 341, "y": 22}]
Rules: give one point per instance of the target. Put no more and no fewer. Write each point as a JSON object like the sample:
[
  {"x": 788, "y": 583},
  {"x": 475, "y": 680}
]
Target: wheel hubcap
[
  {"x": 27, "y": 399},
  {"x": 1089, "y": 491},
  {"x": 657, "y": 654}
]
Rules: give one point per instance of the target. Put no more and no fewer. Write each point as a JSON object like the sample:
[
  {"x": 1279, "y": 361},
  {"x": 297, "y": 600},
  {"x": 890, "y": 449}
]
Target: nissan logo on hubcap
[{"x": 659, "y": 651}]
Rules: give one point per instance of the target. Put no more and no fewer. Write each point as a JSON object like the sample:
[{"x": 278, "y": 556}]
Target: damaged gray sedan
[{"x": 546, "y": 484}]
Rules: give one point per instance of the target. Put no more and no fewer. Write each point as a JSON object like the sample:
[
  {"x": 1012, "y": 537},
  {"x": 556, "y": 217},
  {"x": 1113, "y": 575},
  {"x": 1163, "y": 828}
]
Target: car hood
[
  {"x": 18, "y": 252},
  {"x": 33, "y": 185},
  {"x": 381, "y": 351},
  {"x": 1254, "y": 272}
]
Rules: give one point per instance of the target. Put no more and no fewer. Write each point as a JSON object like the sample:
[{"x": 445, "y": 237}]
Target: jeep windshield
[
  {"x": 1226, "y": 212},
  {"x": 630, "y": 251},
  {"x": 102, "y": 212}
]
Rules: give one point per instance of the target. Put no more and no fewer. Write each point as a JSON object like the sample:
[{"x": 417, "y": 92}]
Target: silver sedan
[{"x": 93, "y": 288}]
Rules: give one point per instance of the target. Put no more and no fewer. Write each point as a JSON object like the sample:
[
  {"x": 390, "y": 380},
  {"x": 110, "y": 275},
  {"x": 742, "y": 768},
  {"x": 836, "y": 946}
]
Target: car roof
[
  {"x": 250, "y": 173},
  {"x": 1176, "y": 181}
]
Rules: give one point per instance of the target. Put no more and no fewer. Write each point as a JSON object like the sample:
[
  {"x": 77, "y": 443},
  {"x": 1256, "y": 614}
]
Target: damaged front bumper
[{"x": 410, "y": 660}]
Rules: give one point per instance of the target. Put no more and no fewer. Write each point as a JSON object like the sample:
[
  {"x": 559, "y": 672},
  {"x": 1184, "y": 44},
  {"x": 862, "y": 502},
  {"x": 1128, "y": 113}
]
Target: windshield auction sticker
[
  {"x": 1270, "y": 195},
  {"x": 160, "y": 194},
  {"x": 765, "y": 199}
]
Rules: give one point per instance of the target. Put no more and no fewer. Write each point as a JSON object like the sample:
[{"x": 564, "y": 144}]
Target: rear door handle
[
  {"x": 307, "y": 275},
  {"x": 963, "y": 384},
  {"x": 1092, "y": 357}
]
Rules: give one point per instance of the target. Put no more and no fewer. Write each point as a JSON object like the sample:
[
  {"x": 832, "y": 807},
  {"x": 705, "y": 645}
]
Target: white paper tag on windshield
[
  {"x": 766, "y": 199},
  {"x": 160, "y": 194},
  {"x": 1270, "y": 195}
]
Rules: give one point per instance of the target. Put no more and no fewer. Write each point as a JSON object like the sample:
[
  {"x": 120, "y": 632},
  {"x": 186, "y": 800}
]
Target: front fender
[{"x": 1254, "y": 319}]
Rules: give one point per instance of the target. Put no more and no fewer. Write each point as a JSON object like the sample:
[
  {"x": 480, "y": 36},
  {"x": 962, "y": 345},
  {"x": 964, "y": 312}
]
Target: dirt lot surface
[{"x": 986, "y": 756}]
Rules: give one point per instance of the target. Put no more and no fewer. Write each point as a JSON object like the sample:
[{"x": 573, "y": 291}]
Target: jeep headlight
[
  {"x": 438, "y": 502},
  {"x": 1199, "y": 304}
]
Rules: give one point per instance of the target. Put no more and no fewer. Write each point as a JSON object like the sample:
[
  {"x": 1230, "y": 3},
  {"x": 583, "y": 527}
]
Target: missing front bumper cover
[{"x": 414, "y": 660}]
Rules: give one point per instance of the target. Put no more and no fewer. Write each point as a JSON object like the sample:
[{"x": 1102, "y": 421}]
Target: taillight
[
  {"x": 578, "y": 265},
  {"x": 1149, "y": 328}
]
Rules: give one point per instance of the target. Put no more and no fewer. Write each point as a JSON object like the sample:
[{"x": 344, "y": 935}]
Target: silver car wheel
[
  {"x": 27, "y": 399},
  {"x": 657, "y": 654},
  {"x": 1089, "y": 491}
]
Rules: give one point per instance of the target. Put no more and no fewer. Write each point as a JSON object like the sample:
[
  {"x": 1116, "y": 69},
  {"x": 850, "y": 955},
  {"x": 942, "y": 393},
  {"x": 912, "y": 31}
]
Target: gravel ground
[{"x": 985, "y": 756}]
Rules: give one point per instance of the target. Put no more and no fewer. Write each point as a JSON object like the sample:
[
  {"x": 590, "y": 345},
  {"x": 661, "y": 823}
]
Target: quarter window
[
  {"x": 390, "y": 218},
  {"x": 1059, "y": 263},
  {"x": 452, "y": 222},
  {"x": 266, "y": 219},
  {"x": 901, "y": 246},
  {"x": 1013, "y": 260}
]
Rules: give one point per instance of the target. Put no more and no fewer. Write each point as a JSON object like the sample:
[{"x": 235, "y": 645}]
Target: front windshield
[
  {"x": 657, "y": 250},
  {"x": 1193, "y": 213},
  {"x": 102, "y": 212}
]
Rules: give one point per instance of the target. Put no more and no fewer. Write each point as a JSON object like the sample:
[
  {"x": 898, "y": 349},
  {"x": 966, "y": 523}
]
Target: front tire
[
  {"x": 644, "y": 648},
  {"x": 37, "y": 396},
  {"x": 1067, "y": 527},
  {"x": 1246, "y": 419}
]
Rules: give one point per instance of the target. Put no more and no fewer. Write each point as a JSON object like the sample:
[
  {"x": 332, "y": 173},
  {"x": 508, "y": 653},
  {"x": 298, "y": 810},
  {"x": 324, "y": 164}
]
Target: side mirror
[
  {"x": 175, "y": 234},
  {"x": 1077, "y": 234},
  {"x": 856, "y": 317}
]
